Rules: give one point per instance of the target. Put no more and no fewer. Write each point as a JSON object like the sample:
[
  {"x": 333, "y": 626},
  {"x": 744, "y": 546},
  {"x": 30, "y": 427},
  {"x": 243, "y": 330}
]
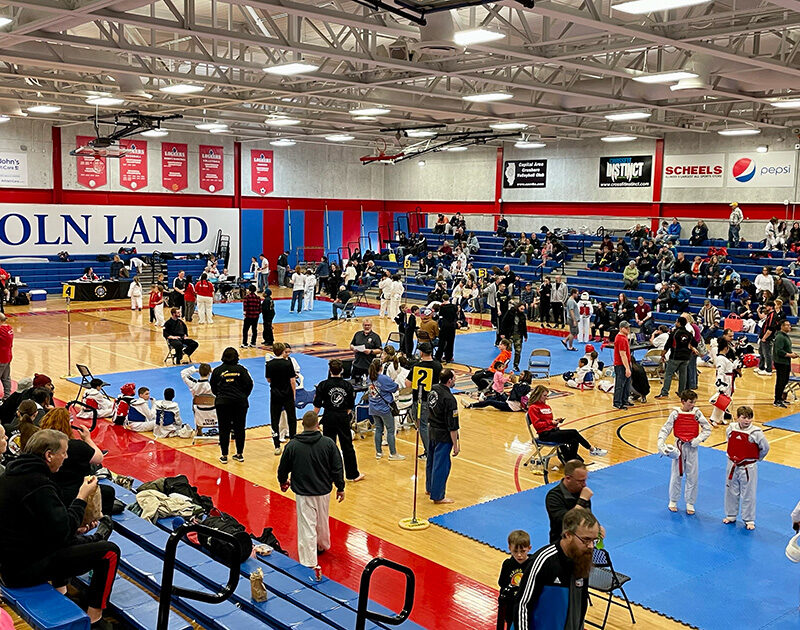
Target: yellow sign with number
[
  {"x": 68, "y": 291},
  {"x": 481, "y": 273},
  {"x": 406, "y": 264},
  {"x": 392, "y": 258},
  {"x": 422, "y": 376}
]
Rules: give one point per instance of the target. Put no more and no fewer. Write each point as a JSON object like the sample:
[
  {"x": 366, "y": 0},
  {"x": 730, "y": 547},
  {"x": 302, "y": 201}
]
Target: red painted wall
[{"x": 314, "y": 236}]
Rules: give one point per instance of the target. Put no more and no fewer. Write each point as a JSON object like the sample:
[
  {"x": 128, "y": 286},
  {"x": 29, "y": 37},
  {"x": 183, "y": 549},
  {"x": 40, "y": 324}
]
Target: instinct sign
[{"x": 422, "y": 376}]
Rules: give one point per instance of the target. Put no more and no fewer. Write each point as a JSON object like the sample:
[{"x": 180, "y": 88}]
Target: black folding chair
[
  {"x": 86, "y": 378},
  {"x": 606, "y": 580}
]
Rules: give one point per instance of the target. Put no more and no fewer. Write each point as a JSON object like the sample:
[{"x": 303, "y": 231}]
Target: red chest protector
[
  {"x": 741, "y": 449},
  {"x": 686, "y": 427},
  {"x": 585, "y": 310}
]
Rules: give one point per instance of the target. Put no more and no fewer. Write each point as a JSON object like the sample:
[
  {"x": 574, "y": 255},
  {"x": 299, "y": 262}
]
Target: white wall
[
  {"x": 193, "y": 140},
  {"x": 33, "y": 139}
]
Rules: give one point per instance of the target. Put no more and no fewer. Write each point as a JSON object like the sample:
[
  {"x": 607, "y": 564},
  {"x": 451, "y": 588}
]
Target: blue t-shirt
[{"x": 380, "y": 394}]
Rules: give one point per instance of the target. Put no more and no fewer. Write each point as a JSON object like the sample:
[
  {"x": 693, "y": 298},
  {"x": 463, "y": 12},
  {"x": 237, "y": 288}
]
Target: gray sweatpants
[
  {"x": 740, "y": 489},
  {"x": 689, "y": 459}
]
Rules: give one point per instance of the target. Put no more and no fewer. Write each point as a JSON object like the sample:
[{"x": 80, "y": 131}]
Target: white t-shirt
[
  {"x": 659, "y": 341},
  {"x": 298, "y": 282}
]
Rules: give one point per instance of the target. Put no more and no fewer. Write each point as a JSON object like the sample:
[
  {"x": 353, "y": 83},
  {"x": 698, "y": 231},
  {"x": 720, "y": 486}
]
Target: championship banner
[
  {"x": 261, "y": 172},
  {"x": 91, "y": 171},
  {"x": 133, "y": 165},
  {"x": 212, "y": 173},
  {"x": 626, "y": 172},
  {"x": 174, "y": 167}
]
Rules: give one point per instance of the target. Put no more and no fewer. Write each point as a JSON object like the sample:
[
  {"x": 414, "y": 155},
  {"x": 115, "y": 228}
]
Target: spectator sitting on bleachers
[
  {"x": 621, "y": 258},
  {"x": 665, "y": 264},
  {"x": 786, "y": 290},
  {"x": 764, "y": 282},
  {"x": 749, "y": 318},
  {"x": 736, "y": 297},
  {"x": 460, "y": 237},
  {"x": 709, "y": 319},
  {"x": 699, "y": 234},
  {"x": 559, "y": 250},
  {"x": 437, "y": 293},
  {"x": 623, "y": 309},
  {"x": 89, "y": 274},
  {"x": 662, "y": 233},
  {"x": 525, "y": 252},
  {"x": 509, "y": 279},
  {"x": 637, "y": 234},
  {"x": 645, "y": 263},
  {"x": 602, "y": 259},
  {"x": 509, "y": 246},
  {"x": 441, "y": 224},
  {"x": 674, "y": 231},
  {"x": 697, "y": 275},
  {"x": 443, "y": 275},
  {"x": 445, "y": 253},
  {"x": 659, "y": 337},
  {"x": 630, "y": 276},
  {"x": 41, "y": 539},
  {"x": 644, "y": 315},
  {"x": 502, "y": 226},
  {"x": 681, "y": 270},
  {"x": 473, "y": 245},
  {"x": 457, "y": 221},
  {"x": 678, "y": 298},
  {"x": 601, "y": 322},
  {"x": 427, "y": 267},
  {"x": 661, "y": 301},
  {"x": 651, "y": 247},
  {"x": 731, "y": 278}
]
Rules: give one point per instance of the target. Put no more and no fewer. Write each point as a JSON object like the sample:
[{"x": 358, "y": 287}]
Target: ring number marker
[
  {"x": 68, "y": 291},
  {"x": 422, "y": 377}
]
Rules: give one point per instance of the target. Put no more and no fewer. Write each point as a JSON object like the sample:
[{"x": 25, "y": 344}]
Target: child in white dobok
[
  {"x": 690, "y": 428},
  {"x": 746, "y": 447},
  {"x": 726, "y": 372},
  {"x": 585, "y": 310},
  {"x": 310, "y": 286}
]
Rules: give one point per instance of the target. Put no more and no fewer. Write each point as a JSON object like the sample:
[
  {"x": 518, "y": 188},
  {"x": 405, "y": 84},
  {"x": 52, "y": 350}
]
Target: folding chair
[
  {"x": 653, "y": 367},
  {"x": 394, "y": 337},
  {"x": 205, "y": 417},
  {"x": 542, "y": 453},
  {"x": 171, "y": 354},
  {"x": 349, "y": 310},
  {"x": 605, "y": 579},
  {"x": 794, "y": 382},
  {"x": 539, "y": 363},
  {"x": 404, "y": 402},
  {"x": 86, "y": 378}
]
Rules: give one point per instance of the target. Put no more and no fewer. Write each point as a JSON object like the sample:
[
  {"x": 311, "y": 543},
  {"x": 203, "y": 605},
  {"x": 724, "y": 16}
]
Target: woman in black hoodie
[{"x": 231, "y": 383}]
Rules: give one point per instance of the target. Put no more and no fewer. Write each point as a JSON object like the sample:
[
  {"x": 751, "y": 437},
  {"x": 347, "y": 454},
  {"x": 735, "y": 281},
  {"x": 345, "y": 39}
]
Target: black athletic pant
[
  {"x": 337, "y": 426},
  {"x": 251, "y": 324},
  {"x": 276, "y": 405},
  {"x": 231, "y": 416},
  {"x": 267, "y": 334},
  {"x": 558, "y": 313},
  {"x": 569, "y": 438},
  {"x": 782, "y": 371},
  {"x": 183, "y": 345},
  {"x": 79, "y": 557},
  {"x": 483, "y": 379},
  {"x": 544, "y": 311},
  {"x": 447, "y": 339}
]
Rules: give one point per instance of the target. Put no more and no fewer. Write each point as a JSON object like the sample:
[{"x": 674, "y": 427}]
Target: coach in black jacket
[
  {"x": 39, "y": 535},
  {"x": 314, "y": 464},
  {"x": 231, "y": 383},
  {"x": 177, "y": 335}
]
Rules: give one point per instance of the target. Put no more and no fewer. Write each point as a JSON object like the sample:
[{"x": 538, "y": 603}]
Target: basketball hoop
[
  {"x": 380, "y": 145},
  {"x": 88, "y": 151}
]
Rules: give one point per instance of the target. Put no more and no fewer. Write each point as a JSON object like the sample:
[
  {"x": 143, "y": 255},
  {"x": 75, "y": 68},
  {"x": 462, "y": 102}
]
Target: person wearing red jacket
[
  {"x": 5, "y": 278},
  {"x": 6, "y": 343},
  {"x": 540, "y": 416},
  {"x": 189, "y": 299},
  {"x": 205, "y": 299}
]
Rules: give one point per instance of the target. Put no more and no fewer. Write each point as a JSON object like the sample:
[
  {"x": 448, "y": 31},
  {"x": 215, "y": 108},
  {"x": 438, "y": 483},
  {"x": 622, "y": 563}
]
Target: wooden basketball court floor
[{"x": 456, "y": 576}]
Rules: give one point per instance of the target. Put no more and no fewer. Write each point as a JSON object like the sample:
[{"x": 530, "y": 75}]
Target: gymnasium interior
[{"x": 540, "y": 143}]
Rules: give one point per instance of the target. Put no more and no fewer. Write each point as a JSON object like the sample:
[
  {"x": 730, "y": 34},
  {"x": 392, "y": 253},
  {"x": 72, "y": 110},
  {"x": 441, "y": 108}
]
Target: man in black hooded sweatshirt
[
  {"x": 40, "y": 539},
  {"x": 314, "y": 463}
]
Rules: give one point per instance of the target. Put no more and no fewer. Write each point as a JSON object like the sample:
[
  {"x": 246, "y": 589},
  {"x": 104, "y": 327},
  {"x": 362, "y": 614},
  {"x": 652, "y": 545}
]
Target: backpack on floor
[{"x": 223, "y": 550}]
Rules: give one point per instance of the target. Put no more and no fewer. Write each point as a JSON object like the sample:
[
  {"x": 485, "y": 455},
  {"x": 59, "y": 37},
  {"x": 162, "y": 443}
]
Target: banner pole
[
  {"x": 413, "y": 523},
  {"x": 69, "y": 338}
]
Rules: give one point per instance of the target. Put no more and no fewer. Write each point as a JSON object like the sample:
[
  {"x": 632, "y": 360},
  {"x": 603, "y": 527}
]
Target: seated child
[
  {"x": 499, "y": 381},
  {"x": 519, "y": 545},
  {"x": 141, "y": 416},
  {"x": 95, "y": 397},
  {"x": 168, "y": 417},
  {"x": 582, "y": 378},
  {"x": 746, "y": 447}
]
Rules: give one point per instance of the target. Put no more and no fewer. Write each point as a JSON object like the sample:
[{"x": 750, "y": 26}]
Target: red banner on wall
[
  {"x": 261, "y": 172},
  {"x": 133, "y": 165},
  {"x": 91, "y": 171},
  {"x": 212, "y": 174},
  {"x": 174, "y": 168}
]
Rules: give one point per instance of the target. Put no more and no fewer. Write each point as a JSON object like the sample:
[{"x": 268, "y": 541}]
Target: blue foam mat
[
  {"x": 321, "y": 310},
  {"x": 313, "y": 370},
  {"x": 691, "y": 568},
  {"x": 787, "y": 423}
]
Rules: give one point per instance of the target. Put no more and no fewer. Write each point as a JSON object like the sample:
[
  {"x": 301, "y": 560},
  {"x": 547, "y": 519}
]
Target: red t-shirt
[
  {"x": 541, "y": 417},
  {"x": 621, "y": 346},
  {"x": 204, "y": 288},
  {"x": 6, "y": 342},
  {"x": 190, "y": 295}
]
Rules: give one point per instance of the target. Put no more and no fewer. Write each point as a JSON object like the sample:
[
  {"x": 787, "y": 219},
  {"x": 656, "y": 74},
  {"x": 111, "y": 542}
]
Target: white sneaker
[
  {"x": 396, "y": 457},
  {"x": 384, "y": 442},
  {"x": 378, "y": 455},
  {"x": 598, "y": 452}
]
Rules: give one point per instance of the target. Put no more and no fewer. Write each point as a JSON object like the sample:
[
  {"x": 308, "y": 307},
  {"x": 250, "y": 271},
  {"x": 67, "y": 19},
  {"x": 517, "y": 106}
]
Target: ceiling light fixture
[
  {"x": 643, "y": 7},
  {"x": 365, "y": 118},
  {"x": 419, "y": 133},
  {"x": 525, "y": 144},
  {"x": 487, "y": 97},
  {"x": 454, "y": 149},
  {"x": 291, "y": 68},
  {"x": 369, "y": 111},
  {"x": 104, "y": 100},
  {"x": 762, "y": 149},
  {"x": 739, "y": 131},
  {"x": 219, "y": 130},
  {"x": 618, "y": 138},
  {"x": 155, "y": 133},
  {"x": 5, "y": 21},
  {"x": 283, "y": 142},
  {"x": 44, "y": 109},
  {"x": 508, "y": 126},
  {"x": 421, "y": 163},
  {"x": 208, "y": 126},
  {"x": 4, "y": 118},
  {"x": 181, "y": 88},
  {"x": 789, "y": 103},
  {"x": 281, "y": 122},
  {"x": 474, "y": 36},
  {"x": 339, "y": 137},
  {"x": 628, "y": 116},
  {"x": 665, "y": 77}
]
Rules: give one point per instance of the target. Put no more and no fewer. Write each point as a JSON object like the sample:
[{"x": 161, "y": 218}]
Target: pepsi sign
[{"x": 761, "y": 170}]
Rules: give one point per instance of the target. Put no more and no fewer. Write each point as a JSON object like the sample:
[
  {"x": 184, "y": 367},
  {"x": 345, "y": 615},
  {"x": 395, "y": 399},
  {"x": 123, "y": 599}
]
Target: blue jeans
[
  {"x": 437, "y": 469},
  {"x": 423, "y": 424},
  {"x": 622, "y": 386},
  {"x": 733, "y": 236},
  {"x": 297, "y": 296},
  {"x": 384, "y": 420},
  {"x": 691, "y": 373}
]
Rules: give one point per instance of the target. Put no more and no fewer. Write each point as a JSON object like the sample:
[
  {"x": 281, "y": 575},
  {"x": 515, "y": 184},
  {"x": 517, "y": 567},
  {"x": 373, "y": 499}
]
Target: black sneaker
[
  {"x": 238, "y": 458},
  {"x": 105, "y": 527},
  {"x": 223, "y": 459}
]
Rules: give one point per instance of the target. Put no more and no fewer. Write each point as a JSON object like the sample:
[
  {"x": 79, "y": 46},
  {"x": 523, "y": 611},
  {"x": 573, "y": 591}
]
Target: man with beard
[{"x": 555, "y": 586}]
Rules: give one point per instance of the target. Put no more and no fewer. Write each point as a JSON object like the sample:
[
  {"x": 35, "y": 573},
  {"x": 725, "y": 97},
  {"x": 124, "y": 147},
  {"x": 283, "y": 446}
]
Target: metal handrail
[
  {"x": 169, "y": 590},
  {"x": 363, "y": 614},
  {"x": 72, "y": 403},
  {"x": 369, "y": 240}
]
